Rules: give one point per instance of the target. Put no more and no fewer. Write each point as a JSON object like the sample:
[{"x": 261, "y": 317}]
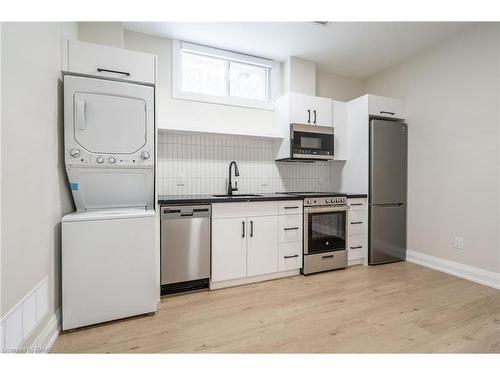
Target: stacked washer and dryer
[{"x": 109, "y": 260}]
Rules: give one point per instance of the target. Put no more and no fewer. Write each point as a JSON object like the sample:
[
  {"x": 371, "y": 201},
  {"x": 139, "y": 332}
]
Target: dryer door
[{"x": 110, "y": 117}]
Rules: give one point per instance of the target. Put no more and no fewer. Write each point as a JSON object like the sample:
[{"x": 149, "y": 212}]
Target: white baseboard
[
  {"x": 47, "y": 337},
  {"x": 18, "y": 325},
  {"x": 477, "y": 275}
]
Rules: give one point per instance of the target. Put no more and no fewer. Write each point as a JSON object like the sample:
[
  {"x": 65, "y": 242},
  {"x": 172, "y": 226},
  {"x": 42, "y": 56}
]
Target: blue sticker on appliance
[{"x": 73, "y": 186}]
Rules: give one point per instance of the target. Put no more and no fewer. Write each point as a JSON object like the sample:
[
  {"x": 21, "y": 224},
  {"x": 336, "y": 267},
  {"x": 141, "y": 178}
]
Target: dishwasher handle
[{"x": 185, "y": 212}]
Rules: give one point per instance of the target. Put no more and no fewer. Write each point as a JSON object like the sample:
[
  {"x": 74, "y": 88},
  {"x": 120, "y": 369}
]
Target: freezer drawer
[{"x": 387, "y": 233}]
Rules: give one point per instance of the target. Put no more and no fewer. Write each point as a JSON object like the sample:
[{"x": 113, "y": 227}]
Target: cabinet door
[
  {"x": 321, "y": 109},
  {"x": 109, "y": 62},
  {"x": 300, "y": 109},
  {"x": 262, "y": 252},
  {"x": 229, "y": 250},
  {"x": 386, "y": 107}
]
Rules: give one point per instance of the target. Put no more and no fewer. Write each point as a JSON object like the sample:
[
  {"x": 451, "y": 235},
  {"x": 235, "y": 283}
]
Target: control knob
[
  {"x": 100, "y": 159},
  {"x": 327, "y": 201},
  {"x": 308, "y": 201},
  {"x": 145, "y": 155},
  {"x": 75, "y": 152},
  {"x": 112, "y": 160}
]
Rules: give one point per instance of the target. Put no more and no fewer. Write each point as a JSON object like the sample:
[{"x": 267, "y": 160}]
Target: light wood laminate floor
[{"x": 398, "y": 307}]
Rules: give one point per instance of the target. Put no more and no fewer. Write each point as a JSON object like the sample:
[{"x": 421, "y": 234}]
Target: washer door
[{"x": 110, "y": 117}]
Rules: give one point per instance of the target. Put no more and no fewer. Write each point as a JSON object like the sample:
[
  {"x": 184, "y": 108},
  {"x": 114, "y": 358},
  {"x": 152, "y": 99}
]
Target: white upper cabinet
[
  {"x": 340, "y": 129},
  {"x": 386, "y": 107},
  {"x": 312, "y": 110},
  {"x": 110, "y": 62}
]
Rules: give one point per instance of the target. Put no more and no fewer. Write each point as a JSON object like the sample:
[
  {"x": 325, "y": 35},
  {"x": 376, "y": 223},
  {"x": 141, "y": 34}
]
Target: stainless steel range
[{"x": 325, "y": 231}]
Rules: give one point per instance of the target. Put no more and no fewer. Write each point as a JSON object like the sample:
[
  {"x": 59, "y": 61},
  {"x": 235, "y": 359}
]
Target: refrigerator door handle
[{"x": 387, "y": 204}]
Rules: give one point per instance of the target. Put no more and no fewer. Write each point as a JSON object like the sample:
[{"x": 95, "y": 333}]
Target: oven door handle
[{"x": 309, "y": 210}]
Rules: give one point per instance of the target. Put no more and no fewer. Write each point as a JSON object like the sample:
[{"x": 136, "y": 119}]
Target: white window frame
[{"x": 177, "y": 93}]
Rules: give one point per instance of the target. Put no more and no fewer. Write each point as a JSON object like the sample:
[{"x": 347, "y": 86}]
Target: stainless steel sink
[{"x": 235, "y": 195}]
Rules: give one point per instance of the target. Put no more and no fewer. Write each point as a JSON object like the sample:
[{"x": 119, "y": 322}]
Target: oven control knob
[
  {"x": 327, "y": 201},
  {"x": 145, "y": 155},
  {"x": 308, "y": 201},
  {"x": 75, "y": 152},
  {"x": 112, "y": 160},
  {"x": 100, "y": 159}
]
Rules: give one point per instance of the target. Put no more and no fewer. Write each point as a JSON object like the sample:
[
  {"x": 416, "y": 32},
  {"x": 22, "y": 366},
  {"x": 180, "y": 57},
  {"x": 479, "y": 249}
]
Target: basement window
[{"x": 214, "y": 75}]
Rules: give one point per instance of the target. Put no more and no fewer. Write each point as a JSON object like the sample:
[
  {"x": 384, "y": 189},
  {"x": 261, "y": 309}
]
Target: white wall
[
  {"x": 452, "y": 99},
  {"x": 186, "y": 115},
  {"x": 299, "y": 76},
  {"x": 34, "y": 190},
  {"x": 199, "y": 163},
  {"x": 107, "y": 33},
  {"x": 333, "y": 86}
]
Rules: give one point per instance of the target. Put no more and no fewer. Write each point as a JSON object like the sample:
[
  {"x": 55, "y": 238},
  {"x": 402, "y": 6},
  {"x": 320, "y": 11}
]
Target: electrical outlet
[{"x": 458, "y": 242}]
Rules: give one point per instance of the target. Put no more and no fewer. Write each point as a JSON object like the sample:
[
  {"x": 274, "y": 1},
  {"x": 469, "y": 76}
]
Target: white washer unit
[
  {"x": 109, "y": 142},
  {"x": 110, "y": 264}
]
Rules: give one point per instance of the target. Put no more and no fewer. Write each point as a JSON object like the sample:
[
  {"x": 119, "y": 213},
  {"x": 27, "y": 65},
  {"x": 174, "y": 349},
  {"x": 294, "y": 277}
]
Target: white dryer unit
[
  {"x": 109, "y": 142},
  {"x": 108, "y": 266}
]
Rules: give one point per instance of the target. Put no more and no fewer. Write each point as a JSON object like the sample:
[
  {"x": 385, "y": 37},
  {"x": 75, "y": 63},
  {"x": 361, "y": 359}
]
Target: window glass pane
[
  {"x": 203, "y": 74},
  {"x": 248, "y": 81}
]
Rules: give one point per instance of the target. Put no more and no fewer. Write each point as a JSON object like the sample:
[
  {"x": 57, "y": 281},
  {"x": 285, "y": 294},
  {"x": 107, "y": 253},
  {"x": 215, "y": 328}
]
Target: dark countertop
[{"x": 204, "y": 199}]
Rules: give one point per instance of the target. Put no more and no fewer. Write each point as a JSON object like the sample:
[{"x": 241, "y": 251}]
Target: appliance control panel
[
  {"x": 76, "y": 156},
  {"x": 325, "y": 201}
]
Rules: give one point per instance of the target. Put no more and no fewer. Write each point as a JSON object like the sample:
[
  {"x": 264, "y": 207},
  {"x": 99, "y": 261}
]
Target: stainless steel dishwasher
[{"x": 185, "y": 248}]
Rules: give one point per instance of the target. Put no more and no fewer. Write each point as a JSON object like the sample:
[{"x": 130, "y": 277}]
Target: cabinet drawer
[
  {"x": 290, "y": 207},
  {"x": 357, "y": 222},
  {"x": 290, "y": 256},
  {"x": 238, "y": 209},
  {"x": 290, "y": 228},
  {"x": 357, "y": 204},
  {"x": 357, "y": 245},
  {"x": 386, "y": 107},
  {"x": 109, "y": 62}
]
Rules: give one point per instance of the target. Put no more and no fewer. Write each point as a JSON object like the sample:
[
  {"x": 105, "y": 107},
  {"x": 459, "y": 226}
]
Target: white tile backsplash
[{"x": 198, "y": 164}]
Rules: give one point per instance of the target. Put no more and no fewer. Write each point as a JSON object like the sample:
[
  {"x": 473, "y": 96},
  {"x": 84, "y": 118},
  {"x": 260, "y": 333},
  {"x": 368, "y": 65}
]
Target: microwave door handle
[{"x": 80, "y": 114}]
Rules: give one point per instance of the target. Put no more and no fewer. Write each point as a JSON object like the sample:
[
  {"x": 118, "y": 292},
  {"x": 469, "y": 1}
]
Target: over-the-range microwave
[{"x": 307, "y": 142}]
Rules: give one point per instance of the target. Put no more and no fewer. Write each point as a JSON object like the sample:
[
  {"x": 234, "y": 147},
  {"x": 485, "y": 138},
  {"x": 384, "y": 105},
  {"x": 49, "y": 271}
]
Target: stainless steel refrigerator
[{"x": 388, "y": 186}]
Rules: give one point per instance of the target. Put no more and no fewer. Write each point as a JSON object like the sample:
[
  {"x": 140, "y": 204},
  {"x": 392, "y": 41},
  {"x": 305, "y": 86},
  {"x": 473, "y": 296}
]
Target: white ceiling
[{"x": 351, "y": 49}]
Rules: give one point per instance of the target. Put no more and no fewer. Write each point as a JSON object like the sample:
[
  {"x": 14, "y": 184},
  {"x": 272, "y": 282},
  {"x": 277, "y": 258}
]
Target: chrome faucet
[{"x": 230, "y": 187}]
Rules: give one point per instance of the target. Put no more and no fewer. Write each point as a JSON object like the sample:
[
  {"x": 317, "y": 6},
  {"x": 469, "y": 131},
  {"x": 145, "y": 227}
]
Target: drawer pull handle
[
  {"x": 291, "y": 256},
  {"x": 291, "y": 207},
  {"x": 388, "y": 113},
  {"x": 292, "y": 228},
  {"x": 100, "y": 70},
  {"x": 356, "y": 204},
  {"x": 356, "y": 247},
  {"x": 327, "y": 256},
  {"x": 356, "y": 222}
]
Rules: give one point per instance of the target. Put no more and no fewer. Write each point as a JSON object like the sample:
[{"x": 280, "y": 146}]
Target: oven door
[
  {"x": 312, "y": 142},
  {"x": 325, "y": 229}
]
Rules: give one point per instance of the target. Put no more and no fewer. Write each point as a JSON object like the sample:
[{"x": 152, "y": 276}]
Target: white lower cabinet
[
  {"x": 357, "y": 240},
  {"x": 290, "y": 256},
  {"x": 262, "y": 245},
  {"x": 248, "y": 244},
  {"x": 229, "y": 249}
]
